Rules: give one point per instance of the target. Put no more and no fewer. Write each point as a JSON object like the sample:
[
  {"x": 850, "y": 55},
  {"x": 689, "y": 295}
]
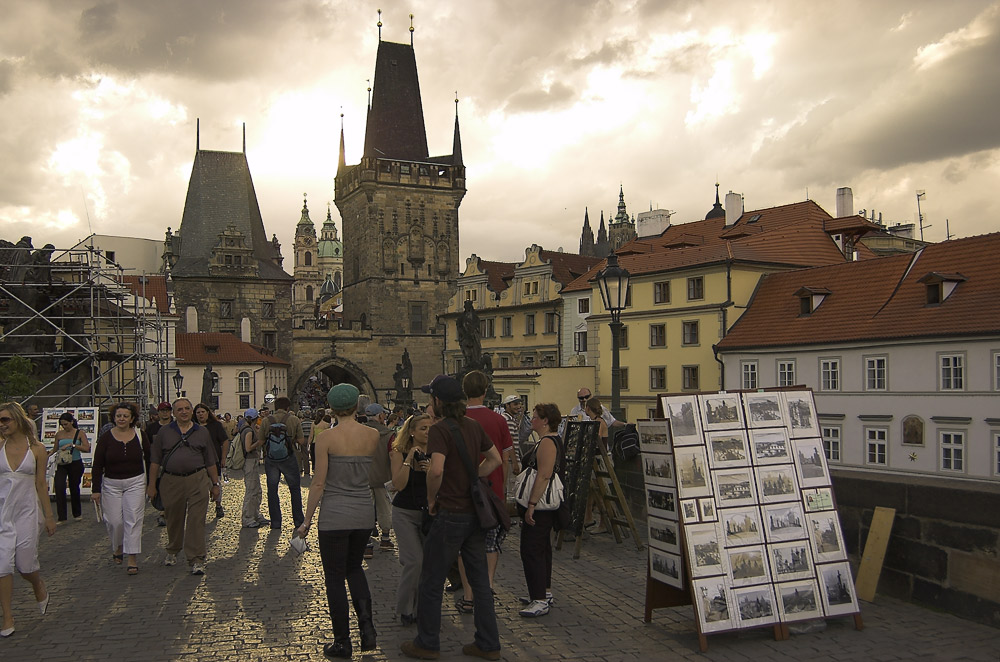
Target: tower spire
[
  {"x": 456, "y": 145},
  {"x": 411, "y": 30},
  {"x": 244, "y": 137},
  {"x": 380, "y": 25},
  {"x": 342, "y": 162},
  {"x": 197, "y": 134}
]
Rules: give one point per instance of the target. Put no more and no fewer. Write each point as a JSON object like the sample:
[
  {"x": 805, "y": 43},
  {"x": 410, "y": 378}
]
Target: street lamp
[
  {"x": 178, "y": 379},
  {"x": 274, "y": 390},
  {"x": 613, "y": 284}
]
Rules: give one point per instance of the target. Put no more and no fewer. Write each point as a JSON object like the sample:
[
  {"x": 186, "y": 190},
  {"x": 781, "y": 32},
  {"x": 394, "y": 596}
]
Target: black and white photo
[
  {"x": 692, "y": 472},
  {"x": 685, "y": 421},
  {"x": 754, "y": 606},
  {"x": 810, "y": 462},
  {"x": 763, "y": 410},
  {"x": 790, "y": 560},
  {"x": 776, "y": 483},
  {"x": 654, "y": 435},
  {"x": 728, "y": 448},
  {"x": 721, "y": 411},
  {"x": 798, "y": 601},
  {"x": 734, "y": 487},
  {"x": 837, "y": 589},
  {"x": 770, "y": 446}
]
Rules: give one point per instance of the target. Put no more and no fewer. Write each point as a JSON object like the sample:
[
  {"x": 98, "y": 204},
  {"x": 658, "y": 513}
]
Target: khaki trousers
[{"x": 185, "y": 503}]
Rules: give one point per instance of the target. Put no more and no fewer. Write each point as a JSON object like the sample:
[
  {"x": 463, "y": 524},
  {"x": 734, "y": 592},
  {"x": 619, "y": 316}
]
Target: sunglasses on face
[{"x": 4, "y": 420}]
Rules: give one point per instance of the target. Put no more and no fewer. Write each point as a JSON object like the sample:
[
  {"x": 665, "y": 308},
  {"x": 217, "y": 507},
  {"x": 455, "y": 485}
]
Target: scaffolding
[{"x": 92, "y": 332}]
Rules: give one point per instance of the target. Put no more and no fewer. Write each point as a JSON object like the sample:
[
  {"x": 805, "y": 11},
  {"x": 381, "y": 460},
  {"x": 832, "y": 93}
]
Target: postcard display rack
[
  {"x": 742, "y": 518},
  {"x": 86, "y": 421}
]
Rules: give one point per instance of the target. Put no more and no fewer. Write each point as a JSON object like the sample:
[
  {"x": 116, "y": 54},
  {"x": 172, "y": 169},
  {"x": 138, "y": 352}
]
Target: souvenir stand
[
  {"x": 741, "y": 513},
  {"x": 87, "y": 422}
]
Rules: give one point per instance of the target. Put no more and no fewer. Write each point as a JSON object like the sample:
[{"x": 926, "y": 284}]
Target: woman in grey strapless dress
[{"x": 346, "y": 517}]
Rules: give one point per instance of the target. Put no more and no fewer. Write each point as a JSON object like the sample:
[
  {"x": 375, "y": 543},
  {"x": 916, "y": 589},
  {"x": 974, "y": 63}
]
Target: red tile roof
[
  {"x": 498, "y": 274},
  {"x": 881, "y": 299},
  {"x": 790, "y": 235},
  {"x": 155, "y": 287},
  {"x": 228, "y": 350},
  {"x": 567, "y": 267}
]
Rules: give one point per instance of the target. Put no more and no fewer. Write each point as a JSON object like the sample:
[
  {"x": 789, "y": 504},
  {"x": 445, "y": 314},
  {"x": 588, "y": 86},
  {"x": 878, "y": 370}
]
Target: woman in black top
[
  {"x": 119, "y": 483},
  {"x": 220, "y": 442},
  {"x": 409, "y": 461}
]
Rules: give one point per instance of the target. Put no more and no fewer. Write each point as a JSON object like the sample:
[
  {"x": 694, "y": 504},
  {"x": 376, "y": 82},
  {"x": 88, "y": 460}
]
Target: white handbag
[{"x": 551, "y": 499}]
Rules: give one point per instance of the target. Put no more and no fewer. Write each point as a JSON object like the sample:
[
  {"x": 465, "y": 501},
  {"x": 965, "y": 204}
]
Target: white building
[{"x": 903, "y": 354}]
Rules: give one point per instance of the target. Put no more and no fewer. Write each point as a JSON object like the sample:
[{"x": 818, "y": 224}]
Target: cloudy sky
[{"x": 561, "y": 102}]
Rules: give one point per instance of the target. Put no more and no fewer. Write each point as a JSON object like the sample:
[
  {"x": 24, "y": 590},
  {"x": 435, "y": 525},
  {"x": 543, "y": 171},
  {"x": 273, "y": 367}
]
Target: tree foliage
[{"x": 16, "y": 379}]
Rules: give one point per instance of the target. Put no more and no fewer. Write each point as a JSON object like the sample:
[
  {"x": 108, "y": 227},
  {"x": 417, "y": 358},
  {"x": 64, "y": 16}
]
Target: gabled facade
[
  {"x": 903, "y": 354},
  {"x": 520, "y": 307},
  {"x": 691, "y": 283}
]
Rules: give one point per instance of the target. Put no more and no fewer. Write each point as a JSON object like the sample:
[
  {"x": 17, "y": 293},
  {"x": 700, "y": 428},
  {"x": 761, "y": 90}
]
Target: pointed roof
[
  {"x": 396, "y": 120},
  {"x": 456, "y": 145},
  {"x": 342, "y": 161},
  {"x": 716, "y": 211},
  {"x": 622, "y": 215},
  {"x": 304, "y": 220},
  {"x": 221, "y": 193}
]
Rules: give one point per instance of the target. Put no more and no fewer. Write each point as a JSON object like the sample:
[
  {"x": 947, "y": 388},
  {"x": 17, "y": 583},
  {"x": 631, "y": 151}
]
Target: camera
[{"x": 419, "y": 456}]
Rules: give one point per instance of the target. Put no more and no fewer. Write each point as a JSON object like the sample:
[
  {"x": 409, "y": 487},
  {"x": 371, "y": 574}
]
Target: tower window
[{"x": 309, "y": 259}]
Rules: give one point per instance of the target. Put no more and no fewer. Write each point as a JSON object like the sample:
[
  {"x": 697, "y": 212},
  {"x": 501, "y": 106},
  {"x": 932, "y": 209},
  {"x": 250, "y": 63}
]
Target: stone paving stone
[{"x": 261, "y": 603}]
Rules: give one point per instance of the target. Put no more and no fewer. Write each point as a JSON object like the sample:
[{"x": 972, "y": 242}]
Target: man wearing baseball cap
[
  {"x": 252, "y": 495},
  {"x": 455, "y": 527}
]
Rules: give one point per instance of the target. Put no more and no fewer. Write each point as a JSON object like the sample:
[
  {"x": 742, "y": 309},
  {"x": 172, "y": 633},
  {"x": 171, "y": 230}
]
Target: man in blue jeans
[
  {"x": 455, "y": 528},
  {"x": 279, "y": 460}
]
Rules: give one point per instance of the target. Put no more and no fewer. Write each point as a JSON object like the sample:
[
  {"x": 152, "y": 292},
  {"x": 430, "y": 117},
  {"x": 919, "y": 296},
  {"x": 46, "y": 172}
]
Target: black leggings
[
  {"x": 74, "y": 473},
  {"x": 342, "y": 552},
  {"x": 536, "y": 553}
]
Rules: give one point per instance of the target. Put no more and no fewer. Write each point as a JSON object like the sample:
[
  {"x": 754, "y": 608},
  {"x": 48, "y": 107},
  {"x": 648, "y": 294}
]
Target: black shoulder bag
[
  {"x": 490, "y": 510},
  {"x": 158, "y": 499}
]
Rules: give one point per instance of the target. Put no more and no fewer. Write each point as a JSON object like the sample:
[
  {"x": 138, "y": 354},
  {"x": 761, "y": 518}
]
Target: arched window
[
  {"x": 215, "y": 382},
  {"x": 243, "y": 381},
  {"x": 309, "y": 259},
  {"x": 309, "y": 292}
]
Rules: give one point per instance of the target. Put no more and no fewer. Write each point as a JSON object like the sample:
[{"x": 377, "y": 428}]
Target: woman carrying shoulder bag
[
  {"x": 70, "y": 441},
  {"x": 536, "y": 527}
]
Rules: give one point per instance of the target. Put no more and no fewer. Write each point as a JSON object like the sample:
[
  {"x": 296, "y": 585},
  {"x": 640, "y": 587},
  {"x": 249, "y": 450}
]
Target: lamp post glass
[
  {"x": 613, "y": 284},
  {"x": 178, "y": 380}
]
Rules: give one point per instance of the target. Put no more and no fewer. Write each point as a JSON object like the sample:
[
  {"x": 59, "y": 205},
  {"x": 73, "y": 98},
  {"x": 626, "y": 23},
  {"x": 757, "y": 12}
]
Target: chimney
[
  {"x": 845, "y": 202},
  {"x": 652, "y": 223},
  {"x": 734, "y": 208}
]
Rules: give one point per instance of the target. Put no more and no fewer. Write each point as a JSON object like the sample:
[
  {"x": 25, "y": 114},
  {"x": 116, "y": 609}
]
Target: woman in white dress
[{"x": 24, "y": 497}]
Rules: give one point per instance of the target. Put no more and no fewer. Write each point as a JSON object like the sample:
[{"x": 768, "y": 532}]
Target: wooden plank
[{"x": 874, "y": 555}]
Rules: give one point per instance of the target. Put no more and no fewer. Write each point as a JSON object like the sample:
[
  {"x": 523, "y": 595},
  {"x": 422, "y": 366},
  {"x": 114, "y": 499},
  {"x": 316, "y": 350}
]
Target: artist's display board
[
  {"x": 87, "y": 422},
  {"x": 581, "y": 445},
  {"x": 738, "y": 485}
]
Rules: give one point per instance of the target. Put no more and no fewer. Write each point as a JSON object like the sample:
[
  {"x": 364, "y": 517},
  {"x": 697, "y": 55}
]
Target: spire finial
[
  {"x": 369, "y": 81},
  {"x": 244, "y": 137},
  {"x": 380, "y": 25},
  {"x": 456, "y": 104},
  {"x": 197, "y": 134},
  {"x": 411, "y": 30}
]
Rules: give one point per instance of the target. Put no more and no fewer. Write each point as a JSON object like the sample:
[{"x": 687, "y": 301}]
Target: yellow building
[
  {"x": 520, "y": 308},
  {"x": 691, "y": 283}
]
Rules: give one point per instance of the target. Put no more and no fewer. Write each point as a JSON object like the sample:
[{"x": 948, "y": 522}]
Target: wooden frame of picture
[
  {"x": 658, "y": 469},
  {"x": 801, "y": 413},
  {"x": 837, "y": 589},
  {"x": 727, "y": 449},
  {"x": 664, "y": 534},
  {"x": 684, "y": 419},
  {"x": 721, "y": 411},
  {"x": 798, "y": 601},
  {"x": 764, "y": 410},
  {"x": 654, "y": 435}
]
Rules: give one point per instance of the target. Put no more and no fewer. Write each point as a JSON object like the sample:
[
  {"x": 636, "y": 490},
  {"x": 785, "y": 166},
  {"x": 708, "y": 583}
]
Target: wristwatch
[{"x": 216, "y": 484}]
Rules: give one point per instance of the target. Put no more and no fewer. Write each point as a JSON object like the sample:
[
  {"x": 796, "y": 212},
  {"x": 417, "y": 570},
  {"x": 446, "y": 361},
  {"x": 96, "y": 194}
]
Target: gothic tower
[
  {"x": 308, "y": 278},
  {"x": 400, "y": 209},
  {"x": 601, "y": 248},
  {"x": 621, "y": 229},
  {"x": 586, "y": 236}
]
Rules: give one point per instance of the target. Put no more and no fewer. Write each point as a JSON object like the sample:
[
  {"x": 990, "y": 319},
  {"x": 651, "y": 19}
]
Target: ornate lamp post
[
  {"x": 274, "y": 390},
  {"x": 613, "y": 284},
  {"x": 178, "y": 380}
]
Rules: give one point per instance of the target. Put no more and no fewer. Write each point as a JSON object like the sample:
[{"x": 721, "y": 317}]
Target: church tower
[
  {"x": 308, "y": 278},
  {"x": 586, "y": 236},
  {"x": 621, "y": 229},
  {"x": 399, "y": 208}
]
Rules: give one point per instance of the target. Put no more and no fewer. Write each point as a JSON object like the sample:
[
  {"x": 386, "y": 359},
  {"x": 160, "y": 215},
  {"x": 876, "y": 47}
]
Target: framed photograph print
[
  {"x": 662, "y": 502},
  {"x": 790, "y": 561},
  {"x": 654, "y": 435},
  {"x": 712, "y": 599},
  {"x": 754, "y": 606},
  {"x": 763, "y": 410},
  {"x": 690, "y": 512},
  {"x": 770, "y": 446},
  {"x": 666, "y": 567},
  {"x": 741, "y": 526},
  {"x": 810, "y": 463},
  {"x": 776, "y": 483},
  {"x": 784, "y": 521},
  {"x": 692, "y": 471},
  {"x": 820, "y": 498},
  {"x": 825, "y": 537},
  {"x": 837, "y": 588},
  {"x": 748, "y": 565},
  {"x": 801, "y": 413},
  {"x": 658, "y": 469},
  {"x": 707, "y": 510},
  {"x": 721, "y": 411},
  {"x": 705, "y": 553},
  {"x": 798, "y": 601},
  {"x": 685, "y": 422},
  {"x": 728, "y": 448},
  {"x": 663, "y": 534},
  {"x": 734, "y": 487}
]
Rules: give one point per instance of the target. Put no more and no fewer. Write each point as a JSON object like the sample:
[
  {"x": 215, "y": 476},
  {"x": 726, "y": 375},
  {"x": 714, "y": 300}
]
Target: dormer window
[
  {"x": 810, "y": 299},
  {"x": 940, "y": 286},
  {"x": 211, "y": 349}
]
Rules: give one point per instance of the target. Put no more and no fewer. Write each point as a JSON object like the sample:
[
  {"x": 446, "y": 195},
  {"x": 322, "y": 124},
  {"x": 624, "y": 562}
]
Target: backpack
[
  {"x": 237, "y": 457},
  {"x": 627, "y": 442},
  {"x": 277, "y": 441}
]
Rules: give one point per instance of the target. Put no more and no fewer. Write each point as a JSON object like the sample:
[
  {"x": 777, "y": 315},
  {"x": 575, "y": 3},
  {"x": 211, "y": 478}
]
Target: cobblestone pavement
[{"x": 260, "y": 602}]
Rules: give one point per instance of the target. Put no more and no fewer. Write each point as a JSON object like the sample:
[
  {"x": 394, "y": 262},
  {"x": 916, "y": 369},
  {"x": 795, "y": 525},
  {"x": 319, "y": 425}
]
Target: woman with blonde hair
[
  {"x": 119, "y": 483},
  {"x": 409, "y": 462},
  {"x": 24, "y": 497}
]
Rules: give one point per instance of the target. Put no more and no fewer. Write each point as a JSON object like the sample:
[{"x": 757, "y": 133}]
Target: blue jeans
[
  {"x": 450, "y": 533},
  {"x": 273, "y": 470}
]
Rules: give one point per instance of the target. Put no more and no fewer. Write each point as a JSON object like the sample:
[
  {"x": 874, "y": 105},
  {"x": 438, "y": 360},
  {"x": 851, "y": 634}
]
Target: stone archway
[{"x": 334, "y": 370}]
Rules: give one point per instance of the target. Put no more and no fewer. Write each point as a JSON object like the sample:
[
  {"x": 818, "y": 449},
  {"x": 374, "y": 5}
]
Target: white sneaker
[
  {"x": 535, "y": 609},
  {"x": 198, "y": 569},
  {"x": 170, "y": 560},
  {"x": 548, "y": 598}
]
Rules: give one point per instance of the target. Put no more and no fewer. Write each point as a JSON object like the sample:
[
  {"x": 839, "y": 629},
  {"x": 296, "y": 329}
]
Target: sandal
[
  {"x": 133, "y": 570},
  {"x": 118, "y": 558},
  {"x": 464, "y": 606}
]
